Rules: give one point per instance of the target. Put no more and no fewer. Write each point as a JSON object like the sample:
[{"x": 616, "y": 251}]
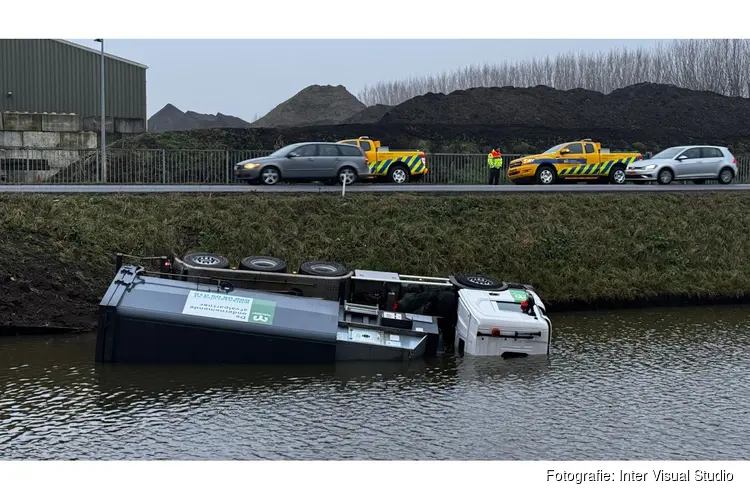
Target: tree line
[{"x": 721, "y": 66}]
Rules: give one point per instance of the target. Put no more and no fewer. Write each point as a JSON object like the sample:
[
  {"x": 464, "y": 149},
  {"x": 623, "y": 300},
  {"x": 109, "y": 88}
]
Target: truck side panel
[
  {"x": 413, "y": 163},
  {"x": 599, "y": 169}
]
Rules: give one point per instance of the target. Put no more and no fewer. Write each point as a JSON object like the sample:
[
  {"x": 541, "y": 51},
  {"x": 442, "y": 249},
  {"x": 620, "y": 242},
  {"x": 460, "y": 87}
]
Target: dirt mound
[
  {"x": 313, "y": 105},
  {"x": 653, "y": 109},
  {"x": 170, "y": 118},
  {"x": 371, "y": 114}
]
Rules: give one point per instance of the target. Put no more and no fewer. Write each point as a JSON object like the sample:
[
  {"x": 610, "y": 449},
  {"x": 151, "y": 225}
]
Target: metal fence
[{"x": 160, "y": 166}]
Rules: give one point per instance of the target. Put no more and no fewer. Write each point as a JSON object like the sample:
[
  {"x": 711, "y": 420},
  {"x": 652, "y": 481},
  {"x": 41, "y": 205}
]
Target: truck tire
[
  {"x": 202, "y": 259},
  {"x": 617, "y": 174},
  {"x": 263, "y": 263},
  {"x": 546, "y": 175},
  {"x": 479, "y": 282},
  {"x": 398, "y": 174},
  {"x": 322, "y": 268}
]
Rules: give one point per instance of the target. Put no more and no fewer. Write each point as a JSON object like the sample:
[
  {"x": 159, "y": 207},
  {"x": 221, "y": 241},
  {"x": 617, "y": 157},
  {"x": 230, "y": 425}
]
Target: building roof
[{"x": 83, "y": 47}]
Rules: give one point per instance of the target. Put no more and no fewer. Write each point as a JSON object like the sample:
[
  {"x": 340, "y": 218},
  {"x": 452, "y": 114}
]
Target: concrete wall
[{"x": 36, "y": 146}]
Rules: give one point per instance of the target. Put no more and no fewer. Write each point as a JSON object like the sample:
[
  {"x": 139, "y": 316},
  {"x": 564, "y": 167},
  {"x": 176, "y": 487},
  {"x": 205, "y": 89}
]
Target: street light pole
[{"x": 102, "y": 125}]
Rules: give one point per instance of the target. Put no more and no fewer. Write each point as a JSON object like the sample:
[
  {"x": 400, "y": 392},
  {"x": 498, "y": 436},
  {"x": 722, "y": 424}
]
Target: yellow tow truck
[
  {"x": 395, "y": 166},
  {"x": 582, "y": 160}
]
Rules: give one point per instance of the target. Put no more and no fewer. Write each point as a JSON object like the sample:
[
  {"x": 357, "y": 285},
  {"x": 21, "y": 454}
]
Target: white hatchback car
[{"x": 685, "y": 163}]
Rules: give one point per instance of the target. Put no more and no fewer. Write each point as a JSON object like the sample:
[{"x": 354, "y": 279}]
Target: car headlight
[
  {"x": 527, "y": 160},
  {"x": 649, "y": 167},
  {"x": 250, "y": 165}
]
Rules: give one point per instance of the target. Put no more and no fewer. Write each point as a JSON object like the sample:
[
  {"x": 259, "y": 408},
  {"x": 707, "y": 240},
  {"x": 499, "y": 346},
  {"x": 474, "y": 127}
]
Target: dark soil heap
[
  {"x": 648, "y": 107},
  {"x": 371, "y": 114},
  {"x": 644, "y": 117},
  {"x": 313, "y": 105},
  {"x": 170, "y": 118}
]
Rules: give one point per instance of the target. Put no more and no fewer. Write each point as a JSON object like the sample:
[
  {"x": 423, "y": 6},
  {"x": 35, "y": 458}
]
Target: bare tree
[{"x": 721, "y": 66}]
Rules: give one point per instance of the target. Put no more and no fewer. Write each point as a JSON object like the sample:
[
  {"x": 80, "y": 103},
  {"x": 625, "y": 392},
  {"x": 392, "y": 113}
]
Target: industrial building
[{"x": 57, "y": 76}]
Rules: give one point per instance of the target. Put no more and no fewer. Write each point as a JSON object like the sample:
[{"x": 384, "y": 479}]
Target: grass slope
[{"x": 56, "y": 252}]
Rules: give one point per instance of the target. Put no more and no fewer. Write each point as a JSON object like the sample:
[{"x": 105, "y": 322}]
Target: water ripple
[{"x": 668, "y": 384}]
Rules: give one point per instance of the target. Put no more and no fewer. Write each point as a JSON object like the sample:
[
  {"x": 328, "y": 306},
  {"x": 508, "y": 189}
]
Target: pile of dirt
[
  {"x": 649, "y": 108},
  {"x": 313, "y": 105},
  {"x": 371, "y": 114},
  {"x": 170, "y": 118}
]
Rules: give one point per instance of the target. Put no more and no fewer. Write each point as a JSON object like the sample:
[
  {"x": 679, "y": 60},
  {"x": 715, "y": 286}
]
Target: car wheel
[
  {"x": 479, "y": 282},
  {"x": 617, "y": 175},
  {"x": 398, "y": 174},
  {"x": 263, "y": 263},
  {"x": 347, "y": 176},
  {"x": 202, "y": 259},
  {"x": 270, "y": 176},
  {"x": 546, "y": 175},
  {"x": 665, "y": 176},
  {"x": 726, "y": 175},
  {"x": 322, "y": 268}
]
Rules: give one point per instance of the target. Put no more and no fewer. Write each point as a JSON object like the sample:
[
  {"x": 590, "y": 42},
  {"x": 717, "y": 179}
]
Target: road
[{"x": 366, "y": 188}]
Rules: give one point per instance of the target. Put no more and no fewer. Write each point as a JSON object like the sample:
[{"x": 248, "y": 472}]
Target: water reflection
[{"x": 660, "y": 384}]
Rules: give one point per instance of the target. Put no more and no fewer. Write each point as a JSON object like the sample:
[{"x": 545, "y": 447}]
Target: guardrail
[{"x": 163, "y": 166}]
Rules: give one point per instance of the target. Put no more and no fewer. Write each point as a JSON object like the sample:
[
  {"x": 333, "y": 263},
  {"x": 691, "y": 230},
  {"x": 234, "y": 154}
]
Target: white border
[
  {"x": 399, "y": 19},
  {"x": 357, "y": 480}
]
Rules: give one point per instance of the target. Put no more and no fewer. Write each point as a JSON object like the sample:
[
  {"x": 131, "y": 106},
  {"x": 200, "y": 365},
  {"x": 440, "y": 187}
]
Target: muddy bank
[{"x": 584, "y": 251}]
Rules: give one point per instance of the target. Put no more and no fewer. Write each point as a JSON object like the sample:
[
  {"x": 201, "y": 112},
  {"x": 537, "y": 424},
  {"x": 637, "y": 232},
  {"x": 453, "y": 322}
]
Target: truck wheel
[
  {"x": 546, "y": 175},
  {"x": 263, "y": 263},
  {"x": 398, "y": 174},
  {"x": 322, "y": 268},
  {"x": 617, "y": 174},
  {"x": 479, "y": 282},
  {"x": 202, "y": 259}
]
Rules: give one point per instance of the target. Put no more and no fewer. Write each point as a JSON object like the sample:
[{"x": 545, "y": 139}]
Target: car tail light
[
  {"x": 495, "y": 332},
  {"x": 424, "y": 160},
  {"x": 734, "y": 160},
  {"x": 639, "y": 157}
]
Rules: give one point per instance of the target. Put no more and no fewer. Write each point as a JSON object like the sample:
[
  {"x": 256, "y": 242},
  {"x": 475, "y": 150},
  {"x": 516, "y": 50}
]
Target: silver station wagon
[
  {"x": 685, "y": 163},
  {"x": 306, "y": 161}
]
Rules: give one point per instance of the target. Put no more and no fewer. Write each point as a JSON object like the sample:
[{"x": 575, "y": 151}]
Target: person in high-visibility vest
[{"x": 495, "y": 162}]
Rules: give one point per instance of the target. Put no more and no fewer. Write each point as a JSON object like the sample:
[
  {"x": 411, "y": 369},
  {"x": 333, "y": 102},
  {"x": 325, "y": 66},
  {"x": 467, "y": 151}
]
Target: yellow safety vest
[{"x": 494, "y": 162}]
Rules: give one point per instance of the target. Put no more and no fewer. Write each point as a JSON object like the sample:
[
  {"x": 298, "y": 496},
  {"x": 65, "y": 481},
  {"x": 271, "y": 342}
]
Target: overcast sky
[{"x": 248, "y": 77}]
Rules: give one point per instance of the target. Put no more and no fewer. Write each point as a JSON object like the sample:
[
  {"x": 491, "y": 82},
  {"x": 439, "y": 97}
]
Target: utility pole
[{"x": 102, "y": 125}]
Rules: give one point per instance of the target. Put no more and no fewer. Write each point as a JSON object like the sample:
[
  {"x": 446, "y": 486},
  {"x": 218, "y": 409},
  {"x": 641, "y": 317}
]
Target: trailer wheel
[
  {"x": 263, "y": 263},
  {"x": 202, "y": 259},
  {"x": 322, "y": 268},
  {"x": 479, "y": 282}
]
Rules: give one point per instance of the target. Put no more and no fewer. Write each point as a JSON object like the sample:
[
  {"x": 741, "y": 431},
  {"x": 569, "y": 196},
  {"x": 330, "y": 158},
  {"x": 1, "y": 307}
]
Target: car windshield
[
  {"x": 667, "y": 154},
  {"x": 553, "y": 149},
  {"x": 284, "y": 151}
]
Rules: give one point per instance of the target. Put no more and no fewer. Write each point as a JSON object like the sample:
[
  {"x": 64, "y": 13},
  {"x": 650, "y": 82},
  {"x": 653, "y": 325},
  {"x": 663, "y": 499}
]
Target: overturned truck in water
[{"x": 197, "y": 309}]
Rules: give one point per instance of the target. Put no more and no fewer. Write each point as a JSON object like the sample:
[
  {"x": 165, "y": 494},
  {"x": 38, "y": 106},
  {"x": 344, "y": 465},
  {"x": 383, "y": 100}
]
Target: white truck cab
[{"x": 510, "y": 322}]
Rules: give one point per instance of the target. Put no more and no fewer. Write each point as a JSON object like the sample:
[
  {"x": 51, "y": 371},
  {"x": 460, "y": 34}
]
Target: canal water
[{"x": 663, "y": 384}]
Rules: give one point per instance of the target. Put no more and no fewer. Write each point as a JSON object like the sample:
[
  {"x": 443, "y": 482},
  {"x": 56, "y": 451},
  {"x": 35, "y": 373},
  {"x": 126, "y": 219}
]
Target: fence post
[
  {"x": 227, "y": 166},
  {"x": 163, "y": 167}
]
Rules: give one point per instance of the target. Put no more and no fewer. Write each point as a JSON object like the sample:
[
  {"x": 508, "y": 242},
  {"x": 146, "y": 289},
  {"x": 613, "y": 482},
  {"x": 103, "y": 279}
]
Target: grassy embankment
[{"x": 56, "y": 252}]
